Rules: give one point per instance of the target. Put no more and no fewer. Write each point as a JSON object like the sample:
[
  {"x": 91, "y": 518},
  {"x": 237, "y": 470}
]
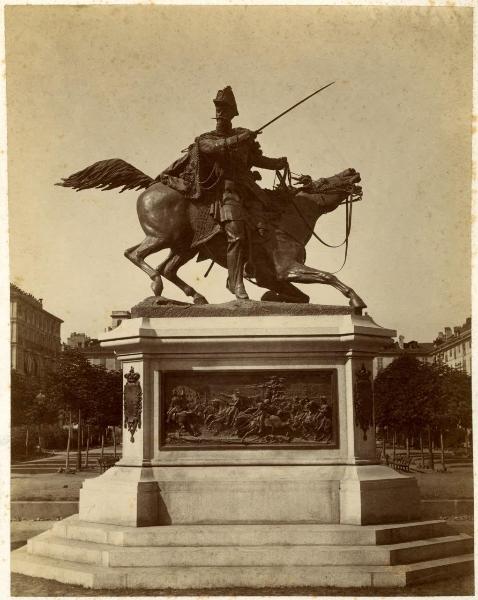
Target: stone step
[
  {"x": 248, "y": 535},
  {"x": 47, "y": 544},
  {"x": 430, "y": 549},
  {"x": 63, "y": 571},
  {"x": 434, "y": 570},
  {"x": 185, "y": 578}
]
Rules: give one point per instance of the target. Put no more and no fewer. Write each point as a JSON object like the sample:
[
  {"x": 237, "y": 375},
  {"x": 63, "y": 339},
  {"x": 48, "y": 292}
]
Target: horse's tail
[{"x": 108, "y": 175}]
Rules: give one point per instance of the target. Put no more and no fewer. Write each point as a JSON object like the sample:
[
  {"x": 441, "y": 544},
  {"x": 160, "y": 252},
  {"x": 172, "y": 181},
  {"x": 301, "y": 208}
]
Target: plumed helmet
[{"x": 226, "y": 96}]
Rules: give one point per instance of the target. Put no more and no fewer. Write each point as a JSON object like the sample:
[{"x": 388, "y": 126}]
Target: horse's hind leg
[
  {"x": 299, "y": 273},
  {"x": 279, "y": 291},
  {"x": 137, "y": 254},
  {"x": 283, "y": 291},
  {"x": 169, "y": 269}
]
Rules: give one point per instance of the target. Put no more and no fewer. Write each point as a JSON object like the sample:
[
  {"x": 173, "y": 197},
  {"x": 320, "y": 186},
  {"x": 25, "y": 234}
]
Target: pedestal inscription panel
[{"x": 250, "y": 408}]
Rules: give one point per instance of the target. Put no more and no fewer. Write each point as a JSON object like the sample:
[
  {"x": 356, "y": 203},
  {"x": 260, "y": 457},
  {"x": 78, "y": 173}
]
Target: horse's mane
[{"x": 108, "y": 175}]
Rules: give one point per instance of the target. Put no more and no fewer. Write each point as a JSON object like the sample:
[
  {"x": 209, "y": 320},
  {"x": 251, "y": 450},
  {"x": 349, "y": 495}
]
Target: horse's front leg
[{"x": 298, "y": 273}]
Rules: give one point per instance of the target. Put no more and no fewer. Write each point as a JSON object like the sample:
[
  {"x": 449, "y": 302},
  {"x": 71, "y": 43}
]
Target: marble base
[
  {"x": 373, "y": 494},
  {"x": 121, "y": 496},
  {"x": 347, "y": 494},
  {"x": 156, "y": 483}
]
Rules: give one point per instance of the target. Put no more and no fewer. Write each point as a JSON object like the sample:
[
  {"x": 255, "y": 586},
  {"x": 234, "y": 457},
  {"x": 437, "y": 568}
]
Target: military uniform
[
  {"x": 219, "y": 164},
  {"x": 231, "y": 155}
]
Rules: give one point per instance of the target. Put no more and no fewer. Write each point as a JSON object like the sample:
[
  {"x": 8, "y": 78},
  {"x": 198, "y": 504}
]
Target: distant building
[
  {"x": 420, "y": 350},
  {"x": 104, "y": 357},
  {"x": 453, "y": 347},
  {"x": 91, "y": 347},
  {"x": 93, "y": 351},
  {"x": 77, "y": 340},
  {"x": 35, "y": 334}
]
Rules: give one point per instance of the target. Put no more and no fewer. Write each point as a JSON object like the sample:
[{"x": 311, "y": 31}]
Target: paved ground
[
  {"x": 48, "y": 486},
  {"x": 51, "y": 464},
  {"x": 29, "y": 586},
  {"x": 39, "y": 479},
  {"x": 456, "y": 482}
]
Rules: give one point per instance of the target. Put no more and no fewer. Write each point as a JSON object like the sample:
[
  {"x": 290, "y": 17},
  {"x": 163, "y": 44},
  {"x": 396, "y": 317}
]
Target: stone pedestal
[
  {"x": 162, "y": 481},
  {"x": 248, "y": 461}
]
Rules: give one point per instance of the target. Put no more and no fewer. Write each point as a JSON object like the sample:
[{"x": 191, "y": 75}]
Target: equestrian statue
[{"x": 208, "y": 204}]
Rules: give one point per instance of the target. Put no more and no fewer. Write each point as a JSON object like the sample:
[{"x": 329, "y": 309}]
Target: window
[{"x": 379, "y": 364}]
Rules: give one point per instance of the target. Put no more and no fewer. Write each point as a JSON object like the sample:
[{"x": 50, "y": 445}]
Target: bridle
[{"x": 285, "y": 183}]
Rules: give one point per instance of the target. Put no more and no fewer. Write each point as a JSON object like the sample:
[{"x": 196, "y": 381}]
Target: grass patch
[{"x": 447, "y": 485}]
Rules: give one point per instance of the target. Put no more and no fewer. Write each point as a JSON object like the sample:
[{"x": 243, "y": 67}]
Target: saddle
[{"x": 205, "y": 226}]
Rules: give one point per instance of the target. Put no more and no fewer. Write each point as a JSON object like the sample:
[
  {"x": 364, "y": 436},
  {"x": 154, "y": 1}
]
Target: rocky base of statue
[
  {"x": 160, "y": 307},
  {"x": 163, "y": 301}
]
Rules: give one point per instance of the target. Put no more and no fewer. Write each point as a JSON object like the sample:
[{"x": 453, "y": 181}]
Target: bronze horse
[{"x": 170, "y": 220}]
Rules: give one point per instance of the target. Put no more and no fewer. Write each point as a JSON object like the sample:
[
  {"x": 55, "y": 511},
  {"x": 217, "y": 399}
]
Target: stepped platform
[{"x": 216, "y": 556}]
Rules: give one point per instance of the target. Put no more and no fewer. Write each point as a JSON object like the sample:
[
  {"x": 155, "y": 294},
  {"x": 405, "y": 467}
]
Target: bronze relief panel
[{"x": 293, "y": 409}]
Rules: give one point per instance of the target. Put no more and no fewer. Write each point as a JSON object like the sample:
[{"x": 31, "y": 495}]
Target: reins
[{"x": 285, "y": 181}]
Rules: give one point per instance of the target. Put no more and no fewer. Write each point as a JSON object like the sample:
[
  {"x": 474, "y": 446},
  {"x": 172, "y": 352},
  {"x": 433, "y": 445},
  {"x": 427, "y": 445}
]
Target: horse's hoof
[
  {"x": 270, "y": 296},
  {"x": 240, "y": 292},
  {"x": 199, "y": 299},
  {"x": 157, "y": 286},
  {"x": 355, "y": 301}
]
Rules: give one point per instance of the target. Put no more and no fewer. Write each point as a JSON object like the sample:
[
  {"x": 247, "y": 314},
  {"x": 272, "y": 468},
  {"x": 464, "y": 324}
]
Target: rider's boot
[
  {"x": 238, "y": 290},
  {"x": 235, "y": 258}
]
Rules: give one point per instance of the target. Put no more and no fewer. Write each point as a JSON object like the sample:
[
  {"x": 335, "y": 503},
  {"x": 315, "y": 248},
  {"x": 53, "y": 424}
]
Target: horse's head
[
  {"x": 327, "y": 193},
  {"x": 344, "y": 183}
]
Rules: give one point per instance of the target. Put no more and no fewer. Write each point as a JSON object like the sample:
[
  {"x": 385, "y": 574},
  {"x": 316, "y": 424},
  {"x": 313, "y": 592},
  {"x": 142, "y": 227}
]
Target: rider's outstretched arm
[
  {"x": 264, "y": 162},
  {"x": 210, "y": 145}
]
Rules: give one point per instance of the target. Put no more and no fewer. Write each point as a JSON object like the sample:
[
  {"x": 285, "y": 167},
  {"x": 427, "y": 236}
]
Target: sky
[{"x": 86, "y": 83}]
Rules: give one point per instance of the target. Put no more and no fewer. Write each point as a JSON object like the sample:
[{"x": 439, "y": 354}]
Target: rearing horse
[{"x": 171, "y": 220}]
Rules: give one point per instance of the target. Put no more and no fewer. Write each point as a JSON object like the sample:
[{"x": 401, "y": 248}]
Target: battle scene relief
[{"x": 244, "y": 409}]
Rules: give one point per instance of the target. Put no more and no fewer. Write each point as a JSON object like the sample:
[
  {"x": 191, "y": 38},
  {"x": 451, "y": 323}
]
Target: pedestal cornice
[{"x": 328, "y": 331}]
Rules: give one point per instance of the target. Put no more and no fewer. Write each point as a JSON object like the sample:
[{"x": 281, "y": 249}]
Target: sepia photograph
[{"x": 240, "y": 294}]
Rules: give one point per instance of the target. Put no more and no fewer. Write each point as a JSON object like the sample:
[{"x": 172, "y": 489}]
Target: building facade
[
  {"x": 453, "y": 347},
  {"x": 35, "y": 340},
  {"x": 91, "y": 347},
  {"x": 77, "y": 340},
  {"x": 420, "y": 350}
]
